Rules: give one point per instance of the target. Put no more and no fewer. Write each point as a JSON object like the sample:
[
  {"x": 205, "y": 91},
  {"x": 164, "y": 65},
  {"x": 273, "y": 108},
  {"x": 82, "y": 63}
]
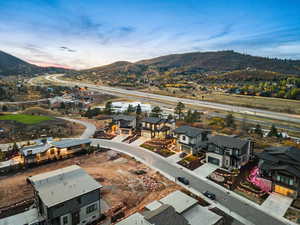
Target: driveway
[
  {"x": 277, "y": 204},
  {"x": 205, "y": 170}
]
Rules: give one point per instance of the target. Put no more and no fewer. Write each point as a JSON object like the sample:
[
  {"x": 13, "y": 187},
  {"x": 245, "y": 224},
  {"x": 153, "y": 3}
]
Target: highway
[
  {"x": 250, "y": 214},
  {"x": 244, "y": 110}
]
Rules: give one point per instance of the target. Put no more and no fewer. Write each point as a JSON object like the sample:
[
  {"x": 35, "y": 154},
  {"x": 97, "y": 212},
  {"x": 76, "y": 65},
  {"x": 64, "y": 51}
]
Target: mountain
[
  {"x": 192, "y": 64},
  {"x": 11, "y": 65}
]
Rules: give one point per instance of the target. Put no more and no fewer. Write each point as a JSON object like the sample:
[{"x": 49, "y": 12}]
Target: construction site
[{"x": 128, "y": 185}]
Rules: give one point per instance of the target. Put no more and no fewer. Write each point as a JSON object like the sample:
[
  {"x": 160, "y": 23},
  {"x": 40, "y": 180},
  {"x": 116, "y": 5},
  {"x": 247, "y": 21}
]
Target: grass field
[{"x": 25, "y": 119}]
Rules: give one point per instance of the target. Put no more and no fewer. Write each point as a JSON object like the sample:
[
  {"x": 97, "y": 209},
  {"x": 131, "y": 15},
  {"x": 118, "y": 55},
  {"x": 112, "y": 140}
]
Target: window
[
  {"x": 52, "y": 151},
  {"x": 79, "y": 200},
  {"x": 183, "y": 138},
  {"x": 285, "y": 180},
  {"x": 91, "y": 208},
  {"x": 65, "y": 220}
]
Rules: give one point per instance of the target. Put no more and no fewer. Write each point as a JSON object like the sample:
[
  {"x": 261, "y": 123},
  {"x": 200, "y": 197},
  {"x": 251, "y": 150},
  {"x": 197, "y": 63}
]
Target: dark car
[
  {"x": 183, "y": 154},
  {"x": 210, "y": 195},
  {"x": 140, "y": 172},
  {"x": 183, "y": 180}
]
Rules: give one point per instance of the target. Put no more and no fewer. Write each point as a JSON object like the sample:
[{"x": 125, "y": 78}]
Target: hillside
[
  {"x": 11, "y": 65},
  {"x": 197, "y": 64}
]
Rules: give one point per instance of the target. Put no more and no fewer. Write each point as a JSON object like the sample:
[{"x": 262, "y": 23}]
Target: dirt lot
[{"x": 120, "y": 183}]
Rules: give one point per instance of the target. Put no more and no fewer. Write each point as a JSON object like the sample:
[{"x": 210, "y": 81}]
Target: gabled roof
[
  {"x": 155, "y": 120},
  {"x": 281, "y": 158},
  {"x": 63, "y": 184},
  {"x": 124, "y": 117},
  {"x": 229, "y": 142},
  {"x": 190, "y": 131},
  {"x": 165, "y": 215}
]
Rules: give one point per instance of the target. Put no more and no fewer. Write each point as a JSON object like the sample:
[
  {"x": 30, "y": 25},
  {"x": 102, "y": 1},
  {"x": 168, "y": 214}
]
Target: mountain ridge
[{"x": 12, "y": 65}]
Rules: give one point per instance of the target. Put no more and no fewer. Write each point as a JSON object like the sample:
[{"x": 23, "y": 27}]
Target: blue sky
[{"x": 86, "y": 33}]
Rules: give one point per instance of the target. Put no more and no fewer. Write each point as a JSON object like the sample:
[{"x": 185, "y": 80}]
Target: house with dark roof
[
  {"x": 229, "y": 152},
  {"x": 155, "y": 127},
  {"x": 281, "y": 166},
  {"x": 191, "y": 139},
  {"x": 123, "y": 124}
]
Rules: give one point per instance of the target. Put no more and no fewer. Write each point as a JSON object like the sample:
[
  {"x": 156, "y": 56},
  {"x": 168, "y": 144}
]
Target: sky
[{"x": 82, "y": 34}]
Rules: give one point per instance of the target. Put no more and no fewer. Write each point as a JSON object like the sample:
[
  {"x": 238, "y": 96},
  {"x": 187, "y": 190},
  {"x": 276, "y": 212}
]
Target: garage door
[
  {"x": 283, "y": 190},
  {"x": 213, "y": 160}
]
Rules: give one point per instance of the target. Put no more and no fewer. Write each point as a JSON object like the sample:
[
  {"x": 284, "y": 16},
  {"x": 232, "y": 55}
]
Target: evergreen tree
[
  {"x": 156, "y": 111},
  {"x": 258, "y": 130},
  {"x": 273, "y": 132},
  {"x": 108, "y": 108},
  {"x": 130, "y": 109},
  {"x": 229, "y": 121},
  {"x": 179, "y": 110}
]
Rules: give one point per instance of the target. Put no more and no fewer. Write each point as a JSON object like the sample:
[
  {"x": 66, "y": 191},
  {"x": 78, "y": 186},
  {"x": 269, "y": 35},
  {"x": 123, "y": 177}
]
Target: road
[
  {"x": 89, "y": 127},
  {"x": 252, "y": 214},
  {"x": 218, "y": 106}
]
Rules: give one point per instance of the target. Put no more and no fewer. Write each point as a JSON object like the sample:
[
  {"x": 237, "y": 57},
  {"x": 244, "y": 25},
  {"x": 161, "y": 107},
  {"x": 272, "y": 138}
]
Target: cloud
[{"x": 64, "y": 48}]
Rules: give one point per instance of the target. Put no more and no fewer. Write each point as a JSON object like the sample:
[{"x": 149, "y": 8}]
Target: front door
[{"x": 75, "y": 218}]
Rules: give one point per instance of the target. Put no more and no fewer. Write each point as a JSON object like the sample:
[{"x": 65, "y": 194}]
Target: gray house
[
  {"x": 67, "y": 196},
  {"x": 124, "y": 124},
  {"x": 229, "y": 152},
  {"x": 191, "y": 139}
]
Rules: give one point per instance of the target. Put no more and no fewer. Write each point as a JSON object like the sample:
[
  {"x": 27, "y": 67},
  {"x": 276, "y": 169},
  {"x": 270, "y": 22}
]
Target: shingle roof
[
  {"x": 124, "y": 117},
  {"x": 63, "y": 184},
  {"x": 190, "y": 131},
  {"x": 229, "y": 142},
  {"x": 165, "y": 215},
  {"x": 281, "y": 158},
  {"x": 154, "y": 120}
]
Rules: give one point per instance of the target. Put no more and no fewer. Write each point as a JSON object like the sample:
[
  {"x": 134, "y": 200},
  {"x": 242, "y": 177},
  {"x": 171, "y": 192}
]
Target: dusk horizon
[{"x": 89, "y": 34}]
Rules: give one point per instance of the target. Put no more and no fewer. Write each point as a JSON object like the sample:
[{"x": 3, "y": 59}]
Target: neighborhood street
[{"x": 251, "y": 214}]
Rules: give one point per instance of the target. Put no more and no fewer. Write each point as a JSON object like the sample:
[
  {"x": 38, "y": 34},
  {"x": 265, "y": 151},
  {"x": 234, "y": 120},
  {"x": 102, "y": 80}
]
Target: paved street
[
  {"x": 89, "y": 127},
  {"x": 231, "y": 108},
  {"x": 252, "y": 214}
]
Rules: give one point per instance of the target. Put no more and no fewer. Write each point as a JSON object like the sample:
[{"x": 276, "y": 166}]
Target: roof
[
  {"x": 63, "y": 184},
  {"x": 281, "y": 158},
  {"x": 71, "y": 142},
  {"x": 179, "y": 200},
  {"x": 134, "y": 219},
  {"x": 165, "y": 215},
  {"x": 35, "y": 149},
  {"x": 203, "y": 214},
  {"x": 229, "y": 142},
  {"x": 124, "y": 117},
  {"x": 154, "y": 120},
  {"x": 28, "y": 217},
  {"x": 190, "y": 131},
  {"x": 153, "y": 205}
]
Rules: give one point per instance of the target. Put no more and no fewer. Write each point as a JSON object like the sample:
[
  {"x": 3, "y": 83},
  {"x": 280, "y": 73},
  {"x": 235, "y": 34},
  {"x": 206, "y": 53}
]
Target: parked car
[
  {"x": 210, "y": 195},
  {"x": 140, "y": 172},
  {"x": 183, "y": 154},
  {"x": 183, "y": 180}
]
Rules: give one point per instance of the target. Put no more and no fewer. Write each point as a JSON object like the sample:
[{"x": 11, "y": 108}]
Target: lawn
[{"x": 25, "y": 119}]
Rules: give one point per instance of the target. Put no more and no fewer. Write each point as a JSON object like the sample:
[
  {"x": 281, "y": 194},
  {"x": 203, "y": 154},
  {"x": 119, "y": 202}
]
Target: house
[
  {"x": 281, "y": 166},
  {"x": 155, "y": 127},
  {"x": 124, "y": 124},
  {"x": 176, "y": 208},
  {"x": 191, "y": 139},
  {"x": 229, "y": 152},
  {"x": 48, "y": 150},
  {"x": 67, "y": 196}
]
